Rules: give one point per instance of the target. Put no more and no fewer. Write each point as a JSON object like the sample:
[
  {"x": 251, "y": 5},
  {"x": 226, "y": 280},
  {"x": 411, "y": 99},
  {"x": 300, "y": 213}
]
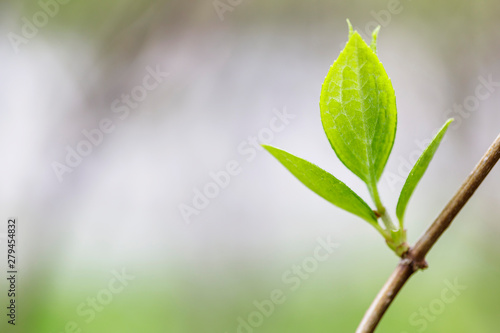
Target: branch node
[
  {"x": 419, "y": 264},
  {"x": 415, "y": 262}
]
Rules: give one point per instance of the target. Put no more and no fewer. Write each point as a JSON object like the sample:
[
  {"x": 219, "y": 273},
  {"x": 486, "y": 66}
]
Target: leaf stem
[
  {"x": 386, "y": 218},
  {"x": 415, "y": 259}
]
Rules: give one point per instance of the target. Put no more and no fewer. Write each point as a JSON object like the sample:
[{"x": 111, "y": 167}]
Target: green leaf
[
  {"x": 325, "y": 185},
  {"x": 358, "y": 110},
  {"x": 418, "y": 171}
]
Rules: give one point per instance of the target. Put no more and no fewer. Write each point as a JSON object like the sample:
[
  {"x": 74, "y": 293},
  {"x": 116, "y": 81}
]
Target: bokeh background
[{"x": 231, "y": 66}]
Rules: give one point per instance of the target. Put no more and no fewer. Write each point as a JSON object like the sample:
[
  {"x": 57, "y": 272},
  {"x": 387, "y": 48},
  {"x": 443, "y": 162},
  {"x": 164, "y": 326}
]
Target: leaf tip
[
  {"x": 351, "y": 31},
  {"x": 375, "y": 33},
  {"x": 446, "y": 125}
]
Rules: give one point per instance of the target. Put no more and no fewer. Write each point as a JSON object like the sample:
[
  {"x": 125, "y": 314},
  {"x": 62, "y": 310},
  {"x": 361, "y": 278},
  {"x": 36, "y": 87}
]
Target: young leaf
[
  {"x": 325, "y": 185},
  {"x": 418, "y": 171},
  {"x": 358, "y": 110}
]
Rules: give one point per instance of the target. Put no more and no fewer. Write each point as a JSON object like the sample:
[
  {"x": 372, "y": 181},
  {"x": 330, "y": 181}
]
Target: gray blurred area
[{"x": 206, "y": 81}]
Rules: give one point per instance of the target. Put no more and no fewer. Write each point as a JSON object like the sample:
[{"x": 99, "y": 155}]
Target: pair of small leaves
[
  {"x": 336, "y": 192},
  {"x": 358, "y": 112}
]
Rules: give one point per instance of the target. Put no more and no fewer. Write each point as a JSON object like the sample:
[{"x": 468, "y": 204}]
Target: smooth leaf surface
[
  {"x": 358, "y": 110},
  {"x": 324, "y": 184},
  {"x": 418, "y": 171}
]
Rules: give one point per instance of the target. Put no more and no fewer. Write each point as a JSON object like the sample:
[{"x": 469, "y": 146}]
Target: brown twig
[{"x": 415, "y": 259}]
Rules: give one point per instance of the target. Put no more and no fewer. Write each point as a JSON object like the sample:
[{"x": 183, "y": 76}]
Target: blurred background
[{"x": 129, "y": 139}]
